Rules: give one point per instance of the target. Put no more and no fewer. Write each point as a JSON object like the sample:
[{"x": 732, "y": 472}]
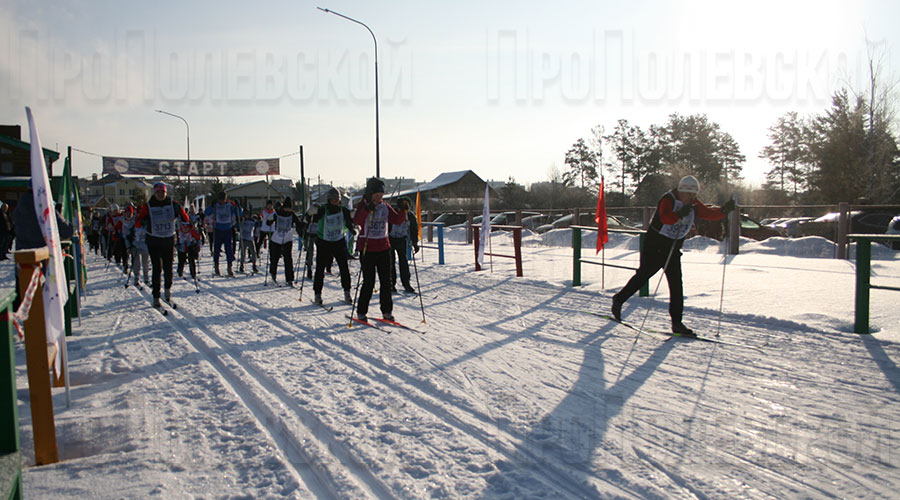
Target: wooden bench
[{"x": 10, "y": 455}]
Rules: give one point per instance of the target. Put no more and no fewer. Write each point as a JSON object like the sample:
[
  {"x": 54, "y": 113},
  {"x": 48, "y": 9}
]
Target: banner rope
[{"x": 21, "y": 315}]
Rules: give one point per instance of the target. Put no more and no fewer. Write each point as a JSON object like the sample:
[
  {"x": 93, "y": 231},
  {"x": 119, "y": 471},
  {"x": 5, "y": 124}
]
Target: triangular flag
[{"x": 600, "y": 219}]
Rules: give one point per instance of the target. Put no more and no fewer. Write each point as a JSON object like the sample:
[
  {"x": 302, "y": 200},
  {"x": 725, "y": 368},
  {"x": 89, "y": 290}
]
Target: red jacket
[{"x": 377, "y": 226}]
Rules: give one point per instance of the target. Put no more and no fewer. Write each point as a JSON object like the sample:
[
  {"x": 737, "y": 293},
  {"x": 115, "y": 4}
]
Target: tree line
[{"x": 848, "y": 152}]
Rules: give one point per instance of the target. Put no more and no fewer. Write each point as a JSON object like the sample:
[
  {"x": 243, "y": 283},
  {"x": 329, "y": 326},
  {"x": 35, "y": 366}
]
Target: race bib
[
  {"x": 400, "y": 230},
  {"x": 162, "y": 221},
  {"x": 680, "y": 229},
  {"x": 223, "y": 213},
  {"x": 333, "y": 227}
]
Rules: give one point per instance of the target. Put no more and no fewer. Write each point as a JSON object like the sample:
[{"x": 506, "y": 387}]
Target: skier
[
  {"x": 399, "y": 235},
  {"x": 674, "y": 215},
  {"x": 281, "y": 241},
  {"x": 226, "y": 214},
  {"x": 373, "y": 216},
  {"x": 125, "y": 230},
  {"x": 140, "y": 255},
  {"x": 248, "y": 240},
  {"x": 158, "y": 216},
  {"x": 332, "y": 222},
  {"x": 115, "y": 247},
  {"x": 188, "y": 248},
  {"x": 265, "y": 229}
]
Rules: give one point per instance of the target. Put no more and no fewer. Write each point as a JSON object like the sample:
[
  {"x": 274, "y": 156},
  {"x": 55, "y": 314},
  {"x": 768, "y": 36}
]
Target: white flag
[
  {"x": 485, "y": 224},
  {"x": 55, "y": 287}
]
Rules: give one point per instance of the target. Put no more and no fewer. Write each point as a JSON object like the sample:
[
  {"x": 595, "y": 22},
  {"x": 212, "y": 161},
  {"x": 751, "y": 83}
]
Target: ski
[
  {"x": 366, "y": 323},
  {"x": 399, "y": 325},
  {"x": 323, "y": 306},
  {"x": 714, "y": 340},
  {"x": 664, "y": 336}
]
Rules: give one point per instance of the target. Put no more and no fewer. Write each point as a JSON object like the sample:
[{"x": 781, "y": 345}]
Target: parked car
[
  {"x": 750, "y": 228},
  {"x": 586, "y": 219},
  {"x": 509, "y": 218},
  {"x": 788, "y": 226},
  {"x": 861, "y": 222},
  {"x": 452, "y": 218}
]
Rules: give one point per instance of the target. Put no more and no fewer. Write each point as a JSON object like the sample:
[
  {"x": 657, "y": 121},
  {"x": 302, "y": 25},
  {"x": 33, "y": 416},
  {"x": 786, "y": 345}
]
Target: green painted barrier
[
  {"x": 577, "y": 260},
  {"x": 10, "y": 456},
  {"x": 863, "y": 275}
]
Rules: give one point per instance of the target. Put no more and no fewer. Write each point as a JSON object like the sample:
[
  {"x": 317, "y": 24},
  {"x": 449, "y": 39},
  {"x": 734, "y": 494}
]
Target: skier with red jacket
[
  {"x": 373, "y": 216},
  {"x": 674, "y": 216}
]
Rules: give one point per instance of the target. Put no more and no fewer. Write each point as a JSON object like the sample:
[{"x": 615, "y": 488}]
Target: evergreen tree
[{"x": 583, "y": 163}]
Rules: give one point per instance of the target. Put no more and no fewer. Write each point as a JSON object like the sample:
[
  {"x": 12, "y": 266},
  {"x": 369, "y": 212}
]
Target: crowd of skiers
[{"x": 144, "y": 240}]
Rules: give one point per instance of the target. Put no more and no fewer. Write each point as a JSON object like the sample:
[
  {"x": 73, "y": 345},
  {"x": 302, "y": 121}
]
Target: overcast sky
[{"x": 502, "y": 88}]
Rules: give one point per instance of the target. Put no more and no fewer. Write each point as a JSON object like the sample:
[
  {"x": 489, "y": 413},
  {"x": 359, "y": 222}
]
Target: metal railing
[{"x": 863, "y": 274}]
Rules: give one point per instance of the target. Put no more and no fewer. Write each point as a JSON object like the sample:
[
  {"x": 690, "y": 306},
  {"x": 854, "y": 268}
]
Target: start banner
[{"x": 201, "y": 168}]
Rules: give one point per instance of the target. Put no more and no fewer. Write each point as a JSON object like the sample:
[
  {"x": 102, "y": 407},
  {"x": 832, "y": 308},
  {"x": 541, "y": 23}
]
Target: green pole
[
  {"x": 576, "y": 256},
  {"x": 863, "y": 270}
]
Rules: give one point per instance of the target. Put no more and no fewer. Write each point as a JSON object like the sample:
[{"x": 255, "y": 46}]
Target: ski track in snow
[{"x": 511, "y": 393}]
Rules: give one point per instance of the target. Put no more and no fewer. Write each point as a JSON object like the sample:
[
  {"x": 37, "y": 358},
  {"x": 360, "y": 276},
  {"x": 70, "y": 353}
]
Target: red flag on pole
[{"x": 600, "y": 218}]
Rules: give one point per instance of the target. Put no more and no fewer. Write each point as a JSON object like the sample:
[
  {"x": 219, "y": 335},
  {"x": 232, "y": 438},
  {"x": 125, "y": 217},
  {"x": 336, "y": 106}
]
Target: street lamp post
[
  {"x": 188, "y": 149},
  {"x": 377, "y": 149}
]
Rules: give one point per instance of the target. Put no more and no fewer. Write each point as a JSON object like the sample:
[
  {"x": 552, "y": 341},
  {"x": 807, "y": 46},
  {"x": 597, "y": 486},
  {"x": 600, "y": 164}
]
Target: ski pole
[
  {"x": 419, "y": 287},
  {"x": 305, "y": 270},
  {"x": 724, "y": 266}
]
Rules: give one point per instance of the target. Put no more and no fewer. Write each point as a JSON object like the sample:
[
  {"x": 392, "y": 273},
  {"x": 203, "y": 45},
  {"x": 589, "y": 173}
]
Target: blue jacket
[{"x": 228, "y": 212}]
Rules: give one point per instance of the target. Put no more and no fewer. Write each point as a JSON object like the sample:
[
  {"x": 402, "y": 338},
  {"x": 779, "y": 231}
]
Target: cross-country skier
[
  {"x": 332, "y": 221},
  {"x": 267, "y": 216},
  {"x": 140, "y": 255},
  {"x": 158, "y": 216},
  {"x": 188, "y": 248},
  {"x": 227, "y": 214},
  {"x": 282, "y": 240},
  {"x": 399, "y": 235},
  {"x": 248, "y": 240},
  {"x": 373, "y": 216},
  {"x": 674, "y": 215}
]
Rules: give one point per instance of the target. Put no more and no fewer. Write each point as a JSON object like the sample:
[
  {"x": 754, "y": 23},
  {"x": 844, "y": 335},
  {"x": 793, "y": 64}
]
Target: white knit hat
[{"x": 689, "y": 184}]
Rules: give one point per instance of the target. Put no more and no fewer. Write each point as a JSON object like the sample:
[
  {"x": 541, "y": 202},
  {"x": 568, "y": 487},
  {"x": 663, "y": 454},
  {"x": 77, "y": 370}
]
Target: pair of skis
[
  {"x": 664, "y": 336},
  {"x": 387, "y": 324}
]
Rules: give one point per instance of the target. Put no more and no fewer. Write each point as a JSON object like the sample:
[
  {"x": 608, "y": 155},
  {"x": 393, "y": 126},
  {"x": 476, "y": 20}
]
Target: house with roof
[
  {"x": 115, "y": 188},
  {"x": 461, "y": 189},
  {"x": 15, "y": 163},
  {"x": 253, "y": 195}
]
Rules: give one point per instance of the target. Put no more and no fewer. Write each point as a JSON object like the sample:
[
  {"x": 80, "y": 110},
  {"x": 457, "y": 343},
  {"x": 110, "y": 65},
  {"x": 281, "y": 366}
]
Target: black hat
[
  {"x": 333, "y": 194},
  {"x": 287, "y": 203},
  {"x": 374, "y": 185},
  {"x": 220, "y": 195}
]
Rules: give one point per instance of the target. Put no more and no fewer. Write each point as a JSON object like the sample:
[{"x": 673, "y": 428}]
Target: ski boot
[
  {"x": 318, "y": 299},
  {"x": 255, "y": 269},
  {"x": 388, "y": 316},
  {"x": 156, "y": 303},
  {"x": 617, "y": 309},
  {"x": 347, "y": 297},
  {"x": 230, "y": 271},
  {"x": 216, "y": 270},
  {"x": 409, "y": 289},
  {"x": 682, "y": 331}
]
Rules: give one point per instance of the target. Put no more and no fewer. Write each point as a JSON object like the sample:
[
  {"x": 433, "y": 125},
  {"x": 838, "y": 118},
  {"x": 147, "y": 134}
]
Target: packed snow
[{"x": 509, "y": 390}]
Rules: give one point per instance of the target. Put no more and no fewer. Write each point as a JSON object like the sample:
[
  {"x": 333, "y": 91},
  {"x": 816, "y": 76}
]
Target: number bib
[
  {"x": 333, "y": 227},
  {"x": 379, "y": 226},
  {"x": 162, "y": 221},
  {"x": 247, "y": 229},
  {"x": 282, "y": 225},
  {"x": 400, "y": 230},
  {"x": 223, "y": 213},
  {"x": 680, "y": 229}
]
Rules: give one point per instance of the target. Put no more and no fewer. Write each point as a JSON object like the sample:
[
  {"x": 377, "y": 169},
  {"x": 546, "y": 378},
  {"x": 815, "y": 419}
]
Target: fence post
[
  {"x": 475, "y": 239},
  {"x": 645, "y": 290},
  {"x": 863, "y": 270},
  {"x": 517, "y": 242},
  {"x": 576, "y": 256},
  {"x": 734, "y": 232},
  {"x": 45, "y": 450},
  {"x": 430, "y": 218},
  {"x": 469, "y": 218},
  {"x": 440, "y": 243},
  {"x": 843, "y": 222}
]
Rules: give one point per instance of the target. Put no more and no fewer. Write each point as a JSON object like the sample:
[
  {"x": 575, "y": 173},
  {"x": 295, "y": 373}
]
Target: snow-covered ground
[{"x": 510, "y": 392}]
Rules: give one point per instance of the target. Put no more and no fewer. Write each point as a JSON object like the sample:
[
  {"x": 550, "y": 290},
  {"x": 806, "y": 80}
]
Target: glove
[
  {"x": 728, "y": 206},
  {"x": 684, "y": 211},
  {"x": 415, "y": 248}
]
